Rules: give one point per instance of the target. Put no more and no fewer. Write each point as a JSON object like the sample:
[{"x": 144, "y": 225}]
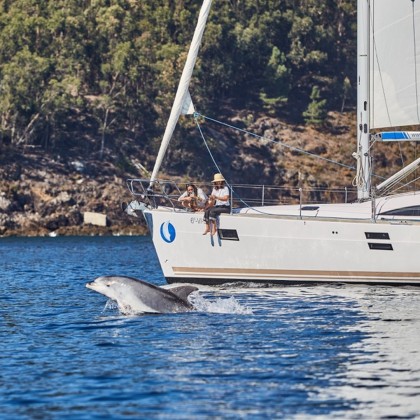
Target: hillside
[{"x": 45, "y": 194}]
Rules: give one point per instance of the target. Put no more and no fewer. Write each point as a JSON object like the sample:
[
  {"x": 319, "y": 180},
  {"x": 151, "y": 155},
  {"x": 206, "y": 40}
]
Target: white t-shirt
[
  {"x": 201, "y": 197},
  {"x": 221, "y": 192}
]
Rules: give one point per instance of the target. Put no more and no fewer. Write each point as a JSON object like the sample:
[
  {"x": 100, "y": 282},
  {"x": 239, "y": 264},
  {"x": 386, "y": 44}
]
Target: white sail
[
  {"x": 394, "y": 63},
  {"x": 188, "y": 106},
  {"x": 182, "y": 94}
]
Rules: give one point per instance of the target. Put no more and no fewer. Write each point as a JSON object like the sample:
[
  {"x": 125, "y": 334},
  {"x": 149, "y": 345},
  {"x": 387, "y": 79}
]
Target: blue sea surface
[{"x": 327, "y": 351}]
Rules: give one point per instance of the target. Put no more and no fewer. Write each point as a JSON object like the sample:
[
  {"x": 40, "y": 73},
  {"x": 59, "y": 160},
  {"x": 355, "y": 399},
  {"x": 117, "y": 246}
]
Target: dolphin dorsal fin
[{"x": 182, "y": 291}]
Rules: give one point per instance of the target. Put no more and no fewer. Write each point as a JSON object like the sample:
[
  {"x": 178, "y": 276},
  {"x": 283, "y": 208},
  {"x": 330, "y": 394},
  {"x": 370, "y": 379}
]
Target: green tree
[
  {"x": 316, "y": 112},
  {"x": 109, "y": 68},
  {"x": 275, "y": 93}
]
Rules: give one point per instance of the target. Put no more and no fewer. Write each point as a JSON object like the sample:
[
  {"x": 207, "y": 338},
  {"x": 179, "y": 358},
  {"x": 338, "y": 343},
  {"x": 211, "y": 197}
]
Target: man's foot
[{"x": 207, "y": 230}]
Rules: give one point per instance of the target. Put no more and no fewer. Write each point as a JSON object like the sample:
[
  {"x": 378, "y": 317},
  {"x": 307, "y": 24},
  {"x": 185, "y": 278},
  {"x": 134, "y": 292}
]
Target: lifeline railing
[{"x": 166, "y": 193}]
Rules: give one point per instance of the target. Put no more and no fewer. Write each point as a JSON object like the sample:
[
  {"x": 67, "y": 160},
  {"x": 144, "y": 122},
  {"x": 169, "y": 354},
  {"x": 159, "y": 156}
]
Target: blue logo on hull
[{"x": 167, "y": 232}]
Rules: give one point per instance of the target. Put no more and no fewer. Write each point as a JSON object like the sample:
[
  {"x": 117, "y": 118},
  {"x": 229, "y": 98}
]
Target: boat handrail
[{"x": 166, "y": 193}]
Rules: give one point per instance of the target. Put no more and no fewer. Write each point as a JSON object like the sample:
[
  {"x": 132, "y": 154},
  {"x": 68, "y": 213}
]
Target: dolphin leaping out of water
[{"x": 135, "y": 296}]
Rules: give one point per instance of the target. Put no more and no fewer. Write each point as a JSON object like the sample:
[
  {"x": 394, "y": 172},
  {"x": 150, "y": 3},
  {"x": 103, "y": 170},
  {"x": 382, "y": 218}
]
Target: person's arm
[
  {"x": 201, "y": 195},
  {"x": 183, "y": 196}
]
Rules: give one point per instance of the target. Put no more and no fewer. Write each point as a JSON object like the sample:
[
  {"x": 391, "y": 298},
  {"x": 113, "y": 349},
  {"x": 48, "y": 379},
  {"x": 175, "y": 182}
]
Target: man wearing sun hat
[{"x": 220, "y": 197}]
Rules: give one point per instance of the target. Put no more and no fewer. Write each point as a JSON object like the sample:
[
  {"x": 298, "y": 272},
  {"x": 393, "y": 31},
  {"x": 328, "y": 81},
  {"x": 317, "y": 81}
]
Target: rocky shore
[{"x": 40, "y": 196}]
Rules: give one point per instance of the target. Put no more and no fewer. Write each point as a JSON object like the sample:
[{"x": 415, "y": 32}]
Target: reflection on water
[
  {"x": 384, "y": 378},
  {"x": 250, "y": 352},
  {"x": 378, "y": 374}
]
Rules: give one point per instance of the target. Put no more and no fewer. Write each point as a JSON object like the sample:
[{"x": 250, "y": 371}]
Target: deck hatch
[
  {"x": 377, "y": 235},
  {"x": 228, "y": 234},
  {"x": 380, "y": 246},
  {"x": 310, "y": 208}
]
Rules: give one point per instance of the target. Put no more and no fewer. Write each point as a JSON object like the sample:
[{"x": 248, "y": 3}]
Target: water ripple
[{"x": 246, "y": 352}]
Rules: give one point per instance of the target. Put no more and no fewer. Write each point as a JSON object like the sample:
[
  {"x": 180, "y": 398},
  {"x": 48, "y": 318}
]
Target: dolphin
[{"x": 135, "y": 296}]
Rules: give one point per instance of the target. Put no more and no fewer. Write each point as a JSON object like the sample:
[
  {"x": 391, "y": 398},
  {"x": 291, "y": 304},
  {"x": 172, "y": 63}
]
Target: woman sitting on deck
[{"x": 193, "y": 198}]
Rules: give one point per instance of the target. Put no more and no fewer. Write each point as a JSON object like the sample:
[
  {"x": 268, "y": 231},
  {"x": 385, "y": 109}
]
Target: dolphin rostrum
[{"x": 135, "y": 296}]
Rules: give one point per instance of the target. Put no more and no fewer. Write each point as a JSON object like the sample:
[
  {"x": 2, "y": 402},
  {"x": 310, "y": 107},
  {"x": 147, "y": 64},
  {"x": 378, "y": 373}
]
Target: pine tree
[{"x": 316, "y": 112}]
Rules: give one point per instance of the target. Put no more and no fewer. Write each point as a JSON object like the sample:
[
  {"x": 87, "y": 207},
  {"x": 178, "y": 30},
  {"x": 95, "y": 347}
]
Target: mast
[
  {"x": 363, "y": 103},
  {"x": 182, "y": 91}
]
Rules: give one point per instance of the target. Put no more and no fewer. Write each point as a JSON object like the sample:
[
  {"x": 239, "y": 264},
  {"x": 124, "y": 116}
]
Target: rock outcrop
[{"x": 49, "y": 198}]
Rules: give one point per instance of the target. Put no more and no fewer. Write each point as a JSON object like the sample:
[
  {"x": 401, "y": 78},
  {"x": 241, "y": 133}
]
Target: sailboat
[{"x": 373, "y": 240}]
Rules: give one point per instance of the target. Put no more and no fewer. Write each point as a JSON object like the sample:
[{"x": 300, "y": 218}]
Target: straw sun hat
[{"x": 218, "y": 178}]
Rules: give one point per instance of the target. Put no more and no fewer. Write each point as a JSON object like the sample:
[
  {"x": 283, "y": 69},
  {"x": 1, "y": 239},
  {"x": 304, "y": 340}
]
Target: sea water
[{"x": 328, "y": 351}]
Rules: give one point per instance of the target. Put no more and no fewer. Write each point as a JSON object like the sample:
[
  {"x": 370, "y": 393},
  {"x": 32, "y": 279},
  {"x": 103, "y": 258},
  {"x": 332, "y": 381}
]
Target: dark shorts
[{"x": 213, "y": 212}]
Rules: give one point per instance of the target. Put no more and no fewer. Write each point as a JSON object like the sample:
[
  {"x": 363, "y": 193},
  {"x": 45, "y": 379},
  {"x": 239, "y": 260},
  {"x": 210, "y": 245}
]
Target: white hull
[{"x": 285, "y": 249}]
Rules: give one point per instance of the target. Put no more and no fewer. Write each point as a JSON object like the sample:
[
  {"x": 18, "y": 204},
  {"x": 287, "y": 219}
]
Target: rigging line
[
  {"x": 214, "y": 160},
  {"x": 280, "y": 143},
  {"x": 359, "y": 179},
  {"x": 372, "y": 143},
  {"x": 197, "y": 114},
  {"x": 401, "y": 155},
  {"x": 205, "y": 143},
  {"x": 392, "y": 187},
  {"x": 218, "y": 169},
  {"x": 415, "y": 59},
  {"x": 409, "y": 183}
]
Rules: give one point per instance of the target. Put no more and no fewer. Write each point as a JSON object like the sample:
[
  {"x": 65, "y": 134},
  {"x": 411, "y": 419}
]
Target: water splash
[
  {"x": 228, "y": 305},
  {"x": 220, "y": 305},
  {"x": 110, "y": 305}
]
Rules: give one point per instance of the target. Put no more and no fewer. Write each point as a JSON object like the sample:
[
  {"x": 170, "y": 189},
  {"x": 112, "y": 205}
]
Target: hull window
[
  {"x": 376, "y": 235},
  {"x": 382, "y": 247},
  {"x": 228, "y": 234},
  {"x": 406, "y": 211}
]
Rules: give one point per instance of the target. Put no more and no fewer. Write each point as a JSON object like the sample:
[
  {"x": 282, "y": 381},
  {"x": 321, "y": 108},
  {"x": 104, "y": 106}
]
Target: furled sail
[
  {"x": 182, "y": 102},
  {"x": 394, "y": 63}
]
